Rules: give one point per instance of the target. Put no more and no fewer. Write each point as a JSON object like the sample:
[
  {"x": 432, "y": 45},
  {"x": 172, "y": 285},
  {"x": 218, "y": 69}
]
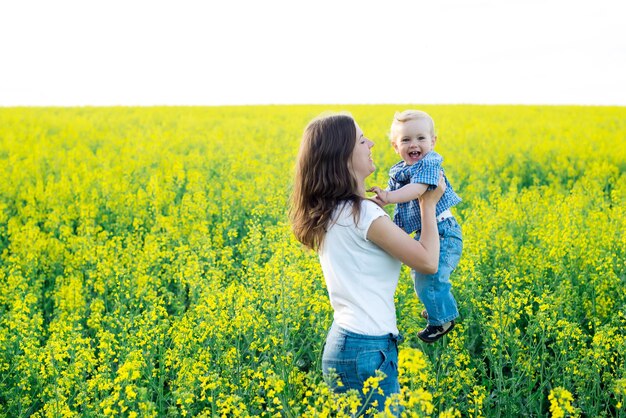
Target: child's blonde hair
[{"x": 407, "y": 115}]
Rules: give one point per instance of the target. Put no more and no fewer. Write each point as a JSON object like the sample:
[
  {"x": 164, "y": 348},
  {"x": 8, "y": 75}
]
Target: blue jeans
[
  {"x": 434, "y": 290},
  {"x": 353, "y": 358}
]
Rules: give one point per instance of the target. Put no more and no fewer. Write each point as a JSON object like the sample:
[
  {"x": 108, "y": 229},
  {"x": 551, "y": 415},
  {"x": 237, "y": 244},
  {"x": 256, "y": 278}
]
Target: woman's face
[{"x": 361, "y": 164}]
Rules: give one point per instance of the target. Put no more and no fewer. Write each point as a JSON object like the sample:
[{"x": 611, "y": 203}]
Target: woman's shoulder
[
  {"x": 344, "y": 222},
  {"x": 368, "y": 212},
  {"x": 371, "y": 210}
]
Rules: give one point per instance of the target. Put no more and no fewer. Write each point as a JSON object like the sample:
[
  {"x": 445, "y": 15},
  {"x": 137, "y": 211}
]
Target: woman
[{"x": 360, "y": 250}]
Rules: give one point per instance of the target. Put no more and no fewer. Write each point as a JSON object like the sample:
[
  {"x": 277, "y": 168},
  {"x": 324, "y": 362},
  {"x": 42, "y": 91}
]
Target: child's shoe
[{"x": 432, "y": 333}]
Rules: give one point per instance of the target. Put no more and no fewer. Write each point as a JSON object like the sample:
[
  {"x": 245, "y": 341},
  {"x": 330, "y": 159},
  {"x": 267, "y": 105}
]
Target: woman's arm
[{"x": 422, "y": 255}]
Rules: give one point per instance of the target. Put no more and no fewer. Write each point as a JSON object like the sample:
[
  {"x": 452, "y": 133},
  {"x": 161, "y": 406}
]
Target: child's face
[{"x": 413, "y": 140}]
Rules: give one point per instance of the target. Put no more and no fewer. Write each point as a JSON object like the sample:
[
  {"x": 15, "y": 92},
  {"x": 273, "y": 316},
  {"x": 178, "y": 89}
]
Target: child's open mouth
[{"x": 415, "y": 154}]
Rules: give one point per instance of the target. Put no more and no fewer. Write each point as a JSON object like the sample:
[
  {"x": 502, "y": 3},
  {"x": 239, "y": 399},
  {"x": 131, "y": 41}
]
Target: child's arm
[{"x": 404, "y": 194}]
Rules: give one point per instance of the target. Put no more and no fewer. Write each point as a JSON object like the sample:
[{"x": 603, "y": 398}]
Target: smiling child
[{"x": 413, "y": 138}]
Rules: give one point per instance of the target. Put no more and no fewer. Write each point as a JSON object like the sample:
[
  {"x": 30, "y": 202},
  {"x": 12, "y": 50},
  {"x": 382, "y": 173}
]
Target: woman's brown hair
[{"x": 323, "y": 179}]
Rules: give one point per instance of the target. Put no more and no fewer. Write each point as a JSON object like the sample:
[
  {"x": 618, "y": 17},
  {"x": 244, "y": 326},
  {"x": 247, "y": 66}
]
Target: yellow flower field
[{"x": 147, "y": 267}]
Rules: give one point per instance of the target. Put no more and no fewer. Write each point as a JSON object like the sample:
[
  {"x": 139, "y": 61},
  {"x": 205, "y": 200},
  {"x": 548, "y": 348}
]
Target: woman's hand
[{"x": 431, "y": 197}]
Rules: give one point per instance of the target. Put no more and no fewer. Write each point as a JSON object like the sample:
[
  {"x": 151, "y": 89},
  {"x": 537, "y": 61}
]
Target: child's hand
[
  {"x": 376, "y": 200},
  {"x": 381, "y": 195}
]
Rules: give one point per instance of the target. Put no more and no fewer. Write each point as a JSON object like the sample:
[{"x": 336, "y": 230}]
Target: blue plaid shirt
[{"x": 426, "y": 171}]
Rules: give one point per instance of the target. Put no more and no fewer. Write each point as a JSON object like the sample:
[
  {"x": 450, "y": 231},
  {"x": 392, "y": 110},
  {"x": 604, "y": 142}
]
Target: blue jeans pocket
[
  {"x": 353, "y": 358},
  {"x": 368, "y": 362}
]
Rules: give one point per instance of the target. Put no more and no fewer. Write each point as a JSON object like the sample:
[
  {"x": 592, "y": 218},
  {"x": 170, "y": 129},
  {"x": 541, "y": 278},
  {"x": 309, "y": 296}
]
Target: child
[{"x": 413, "y": 137}]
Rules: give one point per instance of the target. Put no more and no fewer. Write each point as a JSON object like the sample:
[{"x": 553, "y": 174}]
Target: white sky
[{"x": 220, "y": 52}]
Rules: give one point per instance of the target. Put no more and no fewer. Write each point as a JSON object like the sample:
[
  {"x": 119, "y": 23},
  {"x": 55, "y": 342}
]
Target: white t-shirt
[{"x": 360, "y": 276}]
